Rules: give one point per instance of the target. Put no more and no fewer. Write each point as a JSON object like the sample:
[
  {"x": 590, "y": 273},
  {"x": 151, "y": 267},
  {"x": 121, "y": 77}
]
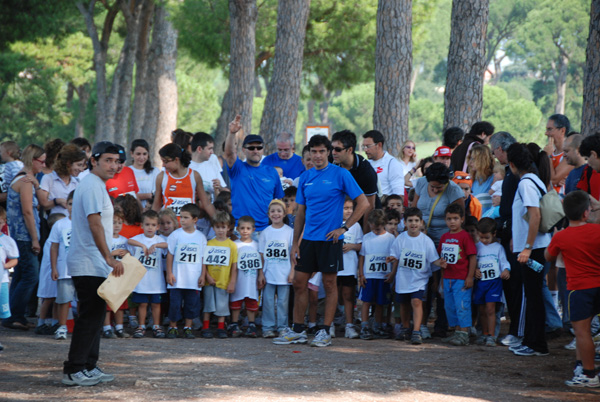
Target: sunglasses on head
[
  {"x": 463, "y": 177},
  {"x": 254, "y": 148}
]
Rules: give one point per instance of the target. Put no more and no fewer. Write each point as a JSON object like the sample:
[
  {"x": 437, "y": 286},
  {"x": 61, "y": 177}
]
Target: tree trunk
[
  {"x": 463, "y": 98},
  {"x": 138, "y": 112},
  {"x": 561, "y": 82},
  {"x": 281, "y": 105},
  {"x": 161, "y": 97},
  {"x": 310, "y": 107},
  {"x": 239, "y": 95},
  {"x": 590, "y": 119},
  {"x": 413, "y": 79},
  {"x": 84, "y": 97},
  {"x": 393, "y": 67}
]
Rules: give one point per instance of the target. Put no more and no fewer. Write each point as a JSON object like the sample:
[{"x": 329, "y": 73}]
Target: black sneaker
[
  {"x": 172, "y": 333},
  {"x": 108, "y": 334},
  {"x": 187, "y": 334},
  {"x": 41, "y": 329},
  {"x": 222, "y": 334},
  {"x": 234, "y": 331},
  {"x": 366, "y": 334},
  {"x": 207, "y": 333},
  {"x": 379, "y": 333},
  {"x": 120, "y": 333},
  {"x": 251, "y": 331},
  {"x": 158, "y": 332}
]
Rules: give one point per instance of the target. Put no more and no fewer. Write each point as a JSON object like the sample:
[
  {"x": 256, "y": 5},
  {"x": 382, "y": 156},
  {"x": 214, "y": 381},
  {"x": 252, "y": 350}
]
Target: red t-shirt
[
  {"x": 130, "y": 231},
  {"x": 122, "y": 183},
  {"x": 594, "y": 183},
  {"x": 455, "y": 248},
  {"x": 580, "y": 248}
]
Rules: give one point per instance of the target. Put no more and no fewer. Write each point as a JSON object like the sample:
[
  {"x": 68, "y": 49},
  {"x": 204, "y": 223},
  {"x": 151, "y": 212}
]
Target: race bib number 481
[
  {"x": 450, "y": 252},
  {"x": 376, "y": 263},
  {"x": 216, "y": 255}
]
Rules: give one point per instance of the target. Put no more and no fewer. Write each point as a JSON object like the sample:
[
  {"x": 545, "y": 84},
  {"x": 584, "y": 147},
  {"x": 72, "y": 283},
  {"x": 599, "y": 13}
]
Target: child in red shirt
[{"x": 460, "y": 253}]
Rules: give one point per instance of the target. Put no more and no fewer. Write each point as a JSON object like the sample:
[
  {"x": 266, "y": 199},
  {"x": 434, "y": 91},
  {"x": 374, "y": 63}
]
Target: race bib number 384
[
  {"x": 276, "y": 250},
  {"x": 216, "y": 255},
  {"x": 376, "y": 263}
]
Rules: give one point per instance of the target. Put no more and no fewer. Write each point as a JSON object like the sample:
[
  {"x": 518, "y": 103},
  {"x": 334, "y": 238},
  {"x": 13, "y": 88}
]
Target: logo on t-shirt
[{"x": 172, "y": 187}]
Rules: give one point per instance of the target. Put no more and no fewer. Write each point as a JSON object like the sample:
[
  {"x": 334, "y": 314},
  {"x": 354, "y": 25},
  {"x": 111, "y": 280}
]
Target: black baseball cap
[
  {"x": 122, "y": 153},
  {"x": 104, "y": 147},
  {"x": 253, "y": 138}
]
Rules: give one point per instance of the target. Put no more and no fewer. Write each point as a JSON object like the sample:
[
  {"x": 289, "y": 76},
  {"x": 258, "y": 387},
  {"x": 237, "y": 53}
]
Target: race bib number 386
[
  {"x": 216, "y": 255},
  {"x": 376, "y": 263},
  {"x": 249, "y": 260}
]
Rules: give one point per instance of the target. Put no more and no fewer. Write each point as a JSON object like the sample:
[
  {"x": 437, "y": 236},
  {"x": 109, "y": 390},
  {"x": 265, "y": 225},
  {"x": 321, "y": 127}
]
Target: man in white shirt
[
  {"x": 388, "y": 169},
  {"x": 206, "y": 163}
]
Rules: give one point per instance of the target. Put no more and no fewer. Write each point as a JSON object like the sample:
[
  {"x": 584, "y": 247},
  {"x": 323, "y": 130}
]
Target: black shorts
[
  {"x": 584, "y": 303},
  {"x": 347, "y": 281},
  {"x": 320, "y": 256}
]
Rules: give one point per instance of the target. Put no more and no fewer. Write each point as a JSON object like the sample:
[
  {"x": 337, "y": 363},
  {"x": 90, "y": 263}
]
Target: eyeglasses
[
  {"x": 339, "y": 149},
  {"x": 43, "y": 162},
  {"x": 409, "y": 147},
  {"x": 165, "y": 161},
  {"x": 368, "y": 146},
  {"x": 463, "y": 177},
  {"x": 254, "y": 148}
]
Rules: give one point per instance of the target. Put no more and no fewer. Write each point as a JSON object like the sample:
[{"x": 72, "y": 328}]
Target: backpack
[{"x": 551, "y": 210}]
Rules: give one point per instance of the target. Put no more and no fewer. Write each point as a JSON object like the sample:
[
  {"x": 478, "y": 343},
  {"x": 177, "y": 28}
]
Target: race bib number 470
[
  {"x": 376, "y": 263},
  {"x": 450, "y": 252},
  {"x": 216, "y": 255}
]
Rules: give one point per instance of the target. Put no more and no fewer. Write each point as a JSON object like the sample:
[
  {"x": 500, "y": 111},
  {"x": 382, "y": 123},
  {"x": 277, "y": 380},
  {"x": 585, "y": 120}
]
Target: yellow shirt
[{"x": 219, "y": 257}]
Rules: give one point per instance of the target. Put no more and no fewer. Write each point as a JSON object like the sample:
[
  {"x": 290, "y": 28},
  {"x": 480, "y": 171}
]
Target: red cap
[{"x": 442, "y": 151}]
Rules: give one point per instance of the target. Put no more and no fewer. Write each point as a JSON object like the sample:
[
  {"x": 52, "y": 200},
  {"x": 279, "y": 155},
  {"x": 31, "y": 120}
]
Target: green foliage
[
  {"x": 353, "y": 109},
  {"x": 426, "y": 120}
]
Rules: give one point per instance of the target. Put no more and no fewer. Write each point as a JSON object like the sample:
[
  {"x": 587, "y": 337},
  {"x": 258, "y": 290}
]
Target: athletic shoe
[
  {"x": 516, "y": 347},
  {"x": 490, "y": 341},
  {"x": 158, "y": 332},
  {"x": 511, "y": 340},
  {"x": 481, "y": 340},
  {"x": 461, "y": 338},
  {"x": 401, "y": 336},
  {"x": 322, "y": 339},
  {"x": 234, "y": 331},
  {"x": 1, "y": 347},
  {"x": 139, "y": 332},
  {"x": 41, "y": 329},
  {"x": 187, "y": 333},
  {"x": 61, "y": 334},
  {"x": 269, "y": 334},
  {"x": 578, "y": 370},
  {"x": 379, "y": 333},
  {"x": 416, "y": 338},
  {"x": 172, "y": 333},
  {"x": 527, "y": 351},
  {"x": 207, "y": 333},
  {"x": 79, "y": 378},
  {"x": 251, "y": 331},
  {"x": 222, "y": 334},
  {"x": 450, "y": 338},
  {"x": 133, "y": 323},
  {"x": 583, "y": 380},
  {"x": 120, "y": 333},
  {"x": 425, "y": 334},
  {"x": 311, "y": 331},
  {"x": 99, "y": 374},
  {"x": 290, "y": 337},
  {"x": 351, "y": 333},
  {"x": 572, "y": 345},
  {"x": 366, "y": 334},
  {"x": 108, "y": 334},
  {"x": 332, "y": 330}
]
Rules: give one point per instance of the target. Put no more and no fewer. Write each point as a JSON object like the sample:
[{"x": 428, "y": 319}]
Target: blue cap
[{"x": 253, "y": 138}]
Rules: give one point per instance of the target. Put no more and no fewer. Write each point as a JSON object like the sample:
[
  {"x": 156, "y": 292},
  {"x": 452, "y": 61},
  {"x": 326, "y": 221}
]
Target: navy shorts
[
  {"x": 146, "y": 298},
  {"x": 321, "y": 256},
  {"x": 584, "y": 303},
  {"x": 376, "y": 291},
  {"x": 488, "y": 291},
  {"x": 407, "y": 297},
  {"x": 347, "y": 281}
]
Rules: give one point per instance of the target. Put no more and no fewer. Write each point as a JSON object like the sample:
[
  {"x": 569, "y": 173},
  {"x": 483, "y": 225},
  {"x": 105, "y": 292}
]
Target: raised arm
[
  {"x": 231, "y": 141},
  {"x": 158, "y": 201}
]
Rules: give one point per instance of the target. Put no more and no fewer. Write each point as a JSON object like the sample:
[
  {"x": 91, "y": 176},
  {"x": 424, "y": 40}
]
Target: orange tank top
[
  {"x": 178, "y": 191},
  {"x": 556, "y": 159}
]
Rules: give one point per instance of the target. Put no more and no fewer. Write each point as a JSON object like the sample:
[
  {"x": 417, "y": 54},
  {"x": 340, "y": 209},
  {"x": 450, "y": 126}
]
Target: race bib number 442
[
  {"x": 450, "y": 252},
  {"x": 376, "y": 263},
  {"x": 216, "y": 255}
]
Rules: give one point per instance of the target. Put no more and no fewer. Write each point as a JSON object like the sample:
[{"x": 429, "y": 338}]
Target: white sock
[
  {"x": 106, "y": 328},
  {"x": 48, "y": 322},
  {"x": 54, "y": 321},
  {"x": 312, "y": 324},
  {"x": 119, "y": 326},
  {"x": 143, "y": 326}
]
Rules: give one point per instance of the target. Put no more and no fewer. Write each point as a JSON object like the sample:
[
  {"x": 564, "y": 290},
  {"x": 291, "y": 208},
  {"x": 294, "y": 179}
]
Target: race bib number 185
[{"x": 411, "y": 259}]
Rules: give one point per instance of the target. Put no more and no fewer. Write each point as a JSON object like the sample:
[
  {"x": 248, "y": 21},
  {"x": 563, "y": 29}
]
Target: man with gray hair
[{"x": 285, "y": 158}]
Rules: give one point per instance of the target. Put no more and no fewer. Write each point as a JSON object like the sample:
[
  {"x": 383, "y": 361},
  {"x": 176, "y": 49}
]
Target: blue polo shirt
[
  {"x": 252, "y": 189},
  {"x": 323, "y": 192},
  {"x": 292, "y": 167}
]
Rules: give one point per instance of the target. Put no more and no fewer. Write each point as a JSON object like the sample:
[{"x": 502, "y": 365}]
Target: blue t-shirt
[
  {"x": 323, "y": 193},
  {"x": 252, "y": 189},
  {"x": 573, "y": 178},
  {"x": 292, "y": 167}
]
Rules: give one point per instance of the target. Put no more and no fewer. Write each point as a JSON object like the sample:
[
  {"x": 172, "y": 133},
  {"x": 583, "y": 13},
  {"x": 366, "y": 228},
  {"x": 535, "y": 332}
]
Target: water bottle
[{"x": 536, "y": 266}]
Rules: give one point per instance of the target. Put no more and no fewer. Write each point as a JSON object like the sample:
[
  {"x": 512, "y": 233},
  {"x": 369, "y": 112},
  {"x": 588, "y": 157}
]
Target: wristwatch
[
  {"x": 528, "y": 246},
  {"x": 344, "y": 227}
]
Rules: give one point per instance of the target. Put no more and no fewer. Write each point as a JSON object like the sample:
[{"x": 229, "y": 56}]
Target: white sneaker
[
  {"x": 61, "y": 333},
  {"x": 322, "y": 338},
  {"x": 351, "y": 333},
  {"x": 99, "y": 374},
  {"x": 511, "y": 340},
  {"x": 332, "y": 330},
  {"x": 572, "y": 345},
  {"x": 425, "y": 334},
  {"x": 79, "y": 378},
  {"x": 583, "y": 380},
  {"x": 290, "y": 337}
]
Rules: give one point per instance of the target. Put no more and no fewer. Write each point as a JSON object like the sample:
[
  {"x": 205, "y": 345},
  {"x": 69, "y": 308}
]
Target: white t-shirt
[
  {"x": 8, "y": 249},
  {"x": 527, "y": 195},
  {"x": 275, "y": 246},
  {"x": 375, "y": 249},
  {"x": 61, "y": 234},
  {"x": 491, "y": 260},
  {"x": 389, "y": 174},
  {"x": 415, "y": 257},
  {"x": 187, "y": 250},
  {"x": 354, "y": 235},
  {"x": 119, "y": 243},
  {"x": 248, "y": 263},
  {"x": 154, "y": 280},
  {"x": 146, "y": 181},
  {"x": 47, "y": 288},
  {"x": 84, "y": 258},
  {"x": 209, "y": 170},
  {"x": 406, "y": 167},
  {"x": 57, "y": 188}
]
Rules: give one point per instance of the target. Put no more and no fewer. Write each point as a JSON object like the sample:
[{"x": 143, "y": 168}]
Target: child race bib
[
  {"x": 178, "y": 202},
  {"x": 216, "y": 255},
  {"x": 276, "y": 250},
  {"x": 349, "y": 238},
  {"x": 411, "y": 259},
  {"x": 148, "y": 261},
  {"x": 376, "y": 263},
  {"x": 450, "y": 252},
  {"x": 66, "y": 238},
  {"x": 249, "y": 260},
  {"x": 489, "y": 269},
  {"x": 188, "y": 254}
]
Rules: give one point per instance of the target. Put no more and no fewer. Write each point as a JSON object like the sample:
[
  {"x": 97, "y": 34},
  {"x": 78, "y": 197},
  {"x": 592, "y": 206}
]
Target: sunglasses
[
  {"x": 463, "y": 177},
  {"x": 409, "y": 147},
  {"x": 255, "y": 148},
  {"x": 338, "y": 149}
]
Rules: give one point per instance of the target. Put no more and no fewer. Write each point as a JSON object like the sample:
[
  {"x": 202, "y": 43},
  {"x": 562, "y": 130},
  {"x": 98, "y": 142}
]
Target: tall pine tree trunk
[
  {"x": 463, "y": 99},
  {"x": 239, "y": 96},
  {"x": 84, "y": 95},
  {"x": 560, "y": 78},
  {"x": 590, "y": 119},
  {"x": 393, "y": 67},
  {"x": 281, "y": 105}
]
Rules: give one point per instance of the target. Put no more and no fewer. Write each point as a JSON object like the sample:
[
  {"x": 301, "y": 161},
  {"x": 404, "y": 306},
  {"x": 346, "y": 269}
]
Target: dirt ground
[{"x": 255, "y": 369}]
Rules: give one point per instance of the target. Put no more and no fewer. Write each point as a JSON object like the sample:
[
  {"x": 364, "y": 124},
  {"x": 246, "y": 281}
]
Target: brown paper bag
[{"x": 115, "y": 290}]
